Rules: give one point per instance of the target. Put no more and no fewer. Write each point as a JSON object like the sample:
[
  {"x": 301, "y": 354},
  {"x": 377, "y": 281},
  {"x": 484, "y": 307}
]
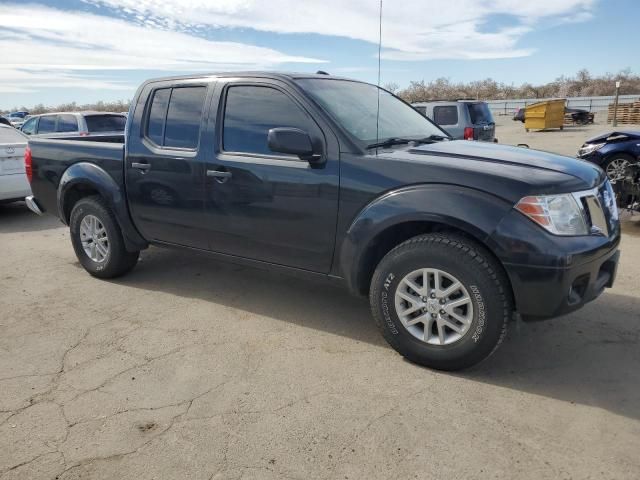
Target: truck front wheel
[
  {"x": 97, "y": 239},
  {"x": 441, "y": 301}
]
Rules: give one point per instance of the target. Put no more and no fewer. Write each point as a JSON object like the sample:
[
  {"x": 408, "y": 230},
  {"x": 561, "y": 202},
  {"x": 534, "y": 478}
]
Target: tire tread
[{"x": 468, "y": 248}]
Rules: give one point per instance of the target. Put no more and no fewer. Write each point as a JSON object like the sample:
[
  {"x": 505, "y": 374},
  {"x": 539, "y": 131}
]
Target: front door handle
[
  {"x": 218, "y": 174},
  {"x": 140, "y": 166}
]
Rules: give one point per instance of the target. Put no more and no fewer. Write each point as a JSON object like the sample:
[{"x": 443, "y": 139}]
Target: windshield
[{"x": 354, "y": 105}]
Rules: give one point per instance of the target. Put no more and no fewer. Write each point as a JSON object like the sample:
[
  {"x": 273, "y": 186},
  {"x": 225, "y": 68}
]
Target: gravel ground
[
  {"x": 564, "y": 142},
  {"x": 188, "y": 368}
]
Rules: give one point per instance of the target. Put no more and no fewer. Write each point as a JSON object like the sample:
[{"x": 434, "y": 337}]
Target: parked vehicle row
[
  {"x": 16, "y": 119},
  {"x": 337, "y": 179}
]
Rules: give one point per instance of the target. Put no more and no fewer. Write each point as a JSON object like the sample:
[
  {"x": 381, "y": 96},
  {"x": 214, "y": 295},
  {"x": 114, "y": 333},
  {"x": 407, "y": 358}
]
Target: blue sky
[{"x": 89, "y": 50}]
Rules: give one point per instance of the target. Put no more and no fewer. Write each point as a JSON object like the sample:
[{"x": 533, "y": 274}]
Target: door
[
  {"x": 164, "y": 165},
  {"x": 264, "y": 205}
]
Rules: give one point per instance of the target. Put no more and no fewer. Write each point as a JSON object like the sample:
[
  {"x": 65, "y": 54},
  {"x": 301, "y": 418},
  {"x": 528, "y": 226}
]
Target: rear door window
[
  {"x": 422, "y": 110},
  {"x": 67, "y": 123},
  {"x": 183, "y": 117},
  {"x": 47, "y": 124},
  {"x": 175, "y": 116},
  {"x": 105, "y": 123},
  {"x": 480, "y": 113},
  {"x": 445, "y": 115}
]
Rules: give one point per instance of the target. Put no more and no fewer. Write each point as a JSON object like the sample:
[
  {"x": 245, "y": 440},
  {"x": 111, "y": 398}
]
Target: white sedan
[{"x": 13, "y": 179}]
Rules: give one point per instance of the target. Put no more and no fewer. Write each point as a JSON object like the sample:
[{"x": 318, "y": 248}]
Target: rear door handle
[
  {"x": 140, "y": 166},
  {"x": 218, "y": 174}
]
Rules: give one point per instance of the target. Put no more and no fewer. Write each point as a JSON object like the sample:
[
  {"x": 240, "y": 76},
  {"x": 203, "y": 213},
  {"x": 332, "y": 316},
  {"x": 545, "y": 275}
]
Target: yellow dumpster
[{"x": 543, "y": 115}]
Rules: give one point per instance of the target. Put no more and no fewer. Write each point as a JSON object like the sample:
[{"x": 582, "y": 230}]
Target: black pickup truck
[{"x": 338, "y": 179}]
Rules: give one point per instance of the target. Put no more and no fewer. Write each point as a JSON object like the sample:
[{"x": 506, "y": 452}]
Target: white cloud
[
  {"x": 412, "y": 29},
  {"x": 44, "y": 47}
]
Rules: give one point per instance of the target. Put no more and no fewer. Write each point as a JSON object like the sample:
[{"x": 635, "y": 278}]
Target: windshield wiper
[
  {"x": 389, "y": 142},
  {"x": 432, "y": 138}
]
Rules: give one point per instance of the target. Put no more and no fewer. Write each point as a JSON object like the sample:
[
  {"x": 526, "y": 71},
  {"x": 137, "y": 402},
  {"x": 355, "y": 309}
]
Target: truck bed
[{"x": 51, "y": 159}]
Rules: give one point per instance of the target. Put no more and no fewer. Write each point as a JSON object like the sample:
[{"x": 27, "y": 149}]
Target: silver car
[
  {"x": 13, "y": 179},
  {"x": 65, "y": 124},
  {"x": 462, "y": 119}
]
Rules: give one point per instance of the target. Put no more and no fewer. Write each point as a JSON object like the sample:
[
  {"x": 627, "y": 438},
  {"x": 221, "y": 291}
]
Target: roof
[
  {"x": 81, "y": 112},
  {"x": 459, "y": 100},
  {"x": 287, "y": 76}
]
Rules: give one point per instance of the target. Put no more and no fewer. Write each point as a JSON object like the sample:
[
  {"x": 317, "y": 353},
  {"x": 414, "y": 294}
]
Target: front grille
[{"x": 600, "y": 209}]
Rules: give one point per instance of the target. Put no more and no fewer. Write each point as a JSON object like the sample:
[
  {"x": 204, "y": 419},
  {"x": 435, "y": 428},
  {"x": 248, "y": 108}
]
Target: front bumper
[
  {"x": 595, "y": 157},
  {"x": 546, "y": 292},
  {"x": 552, "y": 275}
]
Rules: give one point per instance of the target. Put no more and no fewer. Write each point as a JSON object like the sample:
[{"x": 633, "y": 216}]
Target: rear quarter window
[
  {"x": 480, "y": 113},
  {"x": 105, "y": 123},
  {"x": 445, "y": 115},
  {"x": 422, "y": 110}
]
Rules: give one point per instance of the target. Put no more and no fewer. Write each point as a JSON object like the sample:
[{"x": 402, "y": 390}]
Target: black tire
[
  {"x": 478, "y": 272},
  {"x": 118, "y": 260}
]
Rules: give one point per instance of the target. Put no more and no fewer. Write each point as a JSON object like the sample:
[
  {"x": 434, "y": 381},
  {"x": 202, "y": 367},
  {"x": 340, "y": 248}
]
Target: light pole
[{"x": 615, "y": 105}]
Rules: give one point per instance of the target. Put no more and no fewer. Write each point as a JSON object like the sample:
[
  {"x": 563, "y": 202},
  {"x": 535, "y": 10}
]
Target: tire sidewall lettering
[
  {"x": 385, "y": 304},
  {"x": 482, "y": 313}
]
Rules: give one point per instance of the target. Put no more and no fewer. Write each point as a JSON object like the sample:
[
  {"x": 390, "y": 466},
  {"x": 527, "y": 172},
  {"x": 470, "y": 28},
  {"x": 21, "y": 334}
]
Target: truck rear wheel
[
  {"x": 97, "y": 239},
  {"x": 441, "y": 301}
]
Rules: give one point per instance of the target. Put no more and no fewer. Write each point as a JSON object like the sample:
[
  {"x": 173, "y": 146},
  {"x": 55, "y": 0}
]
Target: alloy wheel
[
  {"x": 93, "y": 236},
  {"x": 434, "y": 306}
]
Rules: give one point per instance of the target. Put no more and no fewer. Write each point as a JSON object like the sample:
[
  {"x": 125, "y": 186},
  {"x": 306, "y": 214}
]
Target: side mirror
[{"x": 293, "y": 141}]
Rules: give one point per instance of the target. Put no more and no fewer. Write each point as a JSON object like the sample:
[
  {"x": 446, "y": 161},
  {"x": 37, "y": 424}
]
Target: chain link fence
[{"x": 591, "y": 104}]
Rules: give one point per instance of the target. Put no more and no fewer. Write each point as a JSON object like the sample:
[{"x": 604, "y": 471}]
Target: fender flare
[
  {"x": 92, "y": 176},
  {"x": 474, "y": 212}
]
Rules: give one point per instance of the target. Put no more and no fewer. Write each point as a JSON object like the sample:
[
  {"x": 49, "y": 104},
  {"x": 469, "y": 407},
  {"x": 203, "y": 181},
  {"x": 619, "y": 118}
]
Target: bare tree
[
  {"x": 392, "y": 87},
  {"x": 583, "y": 84}
]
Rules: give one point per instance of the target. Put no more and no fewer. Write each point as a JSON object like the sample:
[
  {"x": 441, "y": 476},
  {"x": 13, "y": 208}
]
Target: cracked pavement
[{"x": 190, "y": 368}]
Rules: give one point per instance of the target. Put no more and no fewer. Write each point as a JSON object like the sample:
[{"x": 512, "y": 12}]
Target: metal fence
[{"x": 592, "y": 104}]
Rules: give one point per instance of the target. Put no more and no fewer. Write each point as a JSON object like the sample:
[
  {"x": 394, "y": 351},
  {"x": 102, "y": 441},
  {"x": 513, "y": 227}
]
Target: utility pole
[{"x": 615, "y": 105}]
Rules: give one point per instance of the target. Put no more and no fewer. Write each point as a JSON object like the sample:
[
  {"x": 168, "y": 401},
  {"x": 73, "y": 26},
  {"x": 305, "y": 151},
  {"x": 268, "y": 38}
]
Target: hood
[
  {"x": 505, "y": 171},
  {"x": 517, "y": 156},
  {"x": 618, "y": 133}
]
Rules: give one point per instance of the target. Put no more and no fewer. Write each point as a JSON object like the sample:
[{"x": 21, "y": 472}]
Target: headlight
[
  {"x": 558, "y": 214},
  {"x": 588, "y": 148}
]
